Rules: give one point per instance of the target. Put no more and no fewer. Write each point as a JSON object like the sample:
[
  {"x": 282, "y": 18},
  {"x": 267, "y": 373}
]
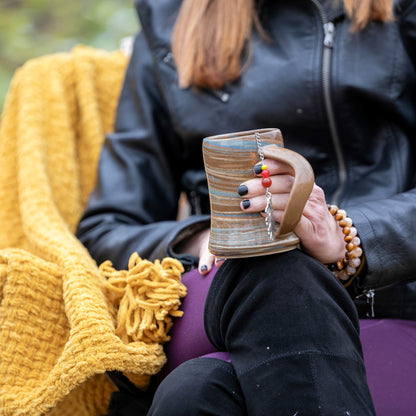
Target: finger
[
  {"x": 206, "y": 261},
  {"x": 258, "y": 203},
  {"x": 280, "y": 184},
  {"x": 274, "y": 167}
]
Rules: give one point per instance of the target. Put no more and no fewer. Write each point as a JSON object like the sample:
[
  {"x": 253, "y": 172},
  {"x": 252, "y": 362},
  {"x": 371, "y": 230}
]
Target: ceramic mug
[{"x": 229, "y": 160}]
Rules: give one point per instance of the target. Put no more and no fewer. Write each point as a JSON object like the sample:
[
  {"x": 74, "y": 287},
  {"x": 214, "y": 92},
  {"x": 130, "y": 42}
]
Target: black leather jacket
[{"x": 346, "y": 101}]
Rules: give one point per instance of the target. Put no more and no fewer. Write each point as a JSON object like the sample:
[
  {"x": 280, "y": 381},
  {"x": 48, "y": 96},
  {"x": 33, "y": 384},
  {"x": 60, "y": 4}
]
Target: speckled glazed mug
[{"x": 229, "y": 160}]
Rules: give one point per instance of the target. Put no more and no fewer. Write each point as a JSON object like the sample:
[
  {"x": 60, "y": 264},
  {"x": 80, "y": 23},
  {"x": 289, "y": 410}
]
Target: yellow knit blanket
[{"x": 63, "y": 320}]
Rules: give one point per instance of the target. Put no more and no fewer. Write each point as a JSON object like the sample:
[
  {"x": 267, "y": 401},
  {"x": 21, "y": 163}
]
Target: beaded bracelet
[{"x": 346, "y": 269}]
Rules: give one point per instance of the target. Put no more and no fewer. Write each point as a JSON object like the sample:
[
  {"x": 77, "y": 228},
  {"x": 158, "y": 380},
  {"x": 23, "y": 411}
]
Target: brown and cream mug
[{"x": 229, "y": 160}]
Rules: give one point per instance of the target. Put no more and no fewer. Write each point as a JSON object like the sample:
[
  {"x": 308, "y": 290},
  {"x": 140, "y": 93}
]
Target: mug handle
[{"x": 302, "y": 185}]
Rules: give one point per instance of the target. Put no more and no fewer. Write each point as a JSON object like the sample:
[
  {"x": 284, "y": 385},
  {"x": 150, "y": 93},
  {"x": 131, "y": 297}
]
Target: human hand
[
  {"x": 319, "y": 233},
  {"x": 198, "y": 246}
]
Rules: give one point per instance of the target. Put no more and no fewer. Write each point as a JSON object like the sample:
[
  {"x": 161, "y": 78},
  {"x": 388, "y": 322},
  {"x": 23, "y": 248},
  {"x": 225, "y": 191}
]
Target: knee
[
  {"x": 199, "y": 386},
  {"x": 289, "y": 290}
]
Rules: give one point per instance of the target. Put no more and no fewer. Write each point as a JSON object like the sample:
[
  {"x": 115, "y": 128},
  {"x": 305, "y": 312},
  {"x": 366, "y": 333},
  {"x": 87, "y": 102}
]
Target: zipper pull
[
  {"x": 370, "y": 300},
  {"x": 220, "y": 94},
  {"x": 224, "y": 97},
  {"x": 329, "y": 30},
  {"x": 168, "y": 60}
]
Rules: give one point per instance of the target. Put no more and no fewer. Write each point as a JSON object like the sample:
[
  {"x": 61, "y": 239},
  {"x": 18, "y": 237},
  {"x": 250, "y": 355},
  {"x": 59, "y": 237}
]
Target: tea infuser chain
[
  {"x": 259, "y": 147},
  {"x": 266, "y": 182}
]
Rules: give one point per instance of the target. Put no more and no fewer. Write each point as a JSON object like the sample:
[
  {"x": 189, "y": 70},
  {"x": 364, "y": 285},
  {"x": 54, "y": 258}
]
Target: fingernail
[
  {"x": 257, "y": 169},
  {"x": 246, "y": 203},
  {"x": 204, "y": 268},
  {"x": 242, "y": 190}
]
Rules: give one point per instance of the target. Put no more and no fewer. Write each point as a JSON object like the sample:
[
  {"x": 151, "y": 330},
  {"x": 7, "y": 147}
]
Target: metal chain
[
  {"x": 259, "y": 146},
  {"x": 270, "y": 223}
]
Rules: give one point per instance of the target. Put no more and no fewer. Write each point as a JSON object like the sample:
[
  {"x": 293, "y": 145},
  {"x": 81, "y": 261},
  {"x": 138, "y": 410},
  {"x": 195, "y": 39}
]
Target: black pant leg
[
  {"x": 201, "y": 386},
  {"x": 128, "y": 400},
  {"x": 292, "y": 333}
]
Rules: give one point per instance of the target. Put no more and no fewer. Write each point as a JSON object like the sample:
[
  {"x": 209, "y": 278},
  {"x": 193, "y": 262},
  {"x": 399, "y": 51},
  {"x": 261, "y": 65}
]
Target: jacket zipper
[
  {"x": 370, "y": 294},
  {"x": 328, "y": 45},
  {"x": 221, "y": 95}
]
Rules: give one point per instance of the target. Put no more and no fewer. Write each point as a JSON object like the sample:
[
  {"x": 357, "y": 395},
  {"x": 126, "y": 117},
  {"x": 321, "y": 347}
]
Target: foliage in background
[{"x": 31, "y": 28}]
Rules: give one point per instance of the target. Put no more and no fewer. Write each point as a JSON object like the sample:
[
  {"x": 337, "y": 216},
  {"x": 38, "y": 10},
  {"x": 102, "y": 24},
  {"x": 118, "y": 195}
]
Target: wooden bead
[
  {"x": 350, "y": 246},
  {"x": 343, "y": 275},
  {"x": 347, "y": 267},
  {"x": 340, "y": 215},
  {"x": 346, "y": 230},
  {"x": 349, "y": 255},
  {"x": 333, "y": 209},
  {"x": 350, "y": 270},
  {"x": 357, "y": 252},
  {"x": 353, "y": 231},
  {"x": 340, "y": 264},
  {"x": 354, "y": 262},
  {"x": 346, "y": 222}
]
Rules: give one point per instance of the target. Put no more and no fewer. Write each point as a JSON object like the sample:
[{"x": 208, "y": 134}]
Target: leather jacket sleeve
[
  {"x": 387, "y": 230},
  {"x": 387, "y": 227},
  {"x": 135, "y": 202}
]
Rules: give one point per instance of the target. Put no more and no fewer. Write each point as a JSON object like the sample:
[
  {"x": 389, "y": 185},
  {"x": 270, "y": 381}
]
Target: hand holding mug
[{"x": 319, "y": 234}]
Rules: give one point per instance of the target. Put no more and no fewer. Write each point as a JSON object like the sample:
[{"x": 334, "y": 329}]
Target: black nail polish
[
  {"x": 246, "y": 203},
  {"x": 204, "y": 268},
  {"x": 257, "y": 169},
  {"x": 242, "y": 190}
]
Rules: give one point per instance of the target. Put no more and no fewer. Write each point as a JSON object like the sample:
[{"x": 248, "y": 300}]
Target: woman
[{"x": 338, "y": 80}]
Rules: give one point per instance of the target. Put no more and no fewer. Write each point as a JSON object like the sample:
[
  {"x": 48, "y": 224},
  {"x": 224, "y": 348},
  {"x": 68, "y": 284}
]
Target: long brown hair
[{"x": 209, "y": 36}]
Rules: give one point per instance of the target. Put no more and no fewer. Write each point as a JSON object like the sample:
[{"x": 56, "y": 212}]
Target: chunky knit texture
[{"x": 63, "y": 320}]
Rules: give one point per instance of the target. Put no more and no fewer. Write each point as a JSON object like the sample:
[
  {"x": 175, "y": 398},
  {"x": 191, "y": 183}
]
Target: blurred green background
[{"x": 31, "y": 28}]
